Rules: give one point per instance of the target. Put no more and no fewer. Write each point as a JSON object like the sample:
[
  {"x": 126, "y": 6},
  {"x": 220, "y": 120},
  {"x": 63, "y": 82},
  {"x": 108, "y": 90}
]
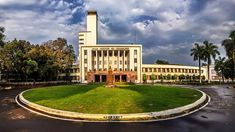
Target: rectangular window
[
  {"x": 120, "y": 62},
  {"x": 100, "y": 62},
  {"x": 135, "y": 52},
  {"x": 85, "y": 60},
  {"x": 110, "y": 53},
  {"x": 155, "y": 70},
  {"x": 115, "y": 62},
  {"x": 85, "y": 52},
  {"x": 135, "y": 69},
  {"x": 175, "y": 69},
  {"x": 159, "y": 69},
  {"x": 135, "y": 60},
  {"x": 146, "y": 69}
]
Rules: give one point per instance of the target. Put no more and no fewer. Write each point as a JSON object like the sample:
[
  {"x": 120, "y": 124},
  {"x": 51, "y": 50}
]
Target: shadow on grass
[
  {"x": 58, "y": 92},
  {"x": 157, "y": 98}
]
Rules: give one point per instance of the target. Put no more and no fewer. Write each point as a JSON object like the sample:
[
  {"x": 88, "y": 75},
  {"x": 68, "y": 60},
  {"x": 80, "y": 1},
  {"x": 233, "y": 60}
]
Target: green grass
[{"x": 123, "y": 99}]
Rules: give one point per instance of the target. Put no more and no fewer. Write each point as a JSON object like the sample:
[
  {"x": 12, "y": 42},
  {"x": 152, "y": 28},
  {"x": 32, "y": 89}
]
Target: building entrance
[
  {"x": 97, "y": 78},
  {"x": 100, "y": 78}
]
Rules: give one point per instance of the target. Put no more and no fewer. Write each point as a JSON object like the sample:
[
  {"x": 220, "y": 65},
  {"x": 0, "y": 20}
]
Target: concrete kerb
[{"x": 136, "y": 117}]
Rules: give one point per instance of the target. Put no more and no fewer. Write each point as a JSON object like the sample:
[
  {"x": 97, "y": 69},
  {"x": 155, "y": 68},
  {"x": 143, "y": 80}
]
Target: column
[
  {"x": 118, "y": 54},
  {"x": 97, "y": 61},
  {"x": 108, "y": 59},
  {"x": 123, "y": 60},
  {"x": 102, "y": 59},
  {"x": 111, "y": 59},
  {"x": 100, "y": 78},
  {"x": 120, "y": 78}
]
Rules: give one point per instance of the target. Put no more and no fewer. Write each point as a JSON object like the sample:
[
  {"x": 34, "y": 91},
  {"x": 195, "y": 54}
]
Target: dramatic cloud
[{"x": 167, "y": 29}]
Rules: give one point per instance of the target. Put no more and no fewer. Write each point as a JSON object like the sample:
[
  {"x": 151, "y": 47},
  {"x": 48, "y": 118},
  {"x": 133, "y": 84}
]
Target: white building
[
  {"x": 95, "y": 59},
  {"x": 124, "y": 59}
]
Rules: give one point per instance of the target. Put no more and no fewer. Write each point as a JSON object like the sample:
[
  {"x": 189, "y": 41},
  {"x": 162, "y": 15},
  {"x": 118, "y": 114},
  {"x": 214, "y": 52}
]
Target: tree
[
  {"x": 210, "y": 50},
  {"x": 229, "y": 45},
  {"x": 174, "y": 77},
  {"x": 31, "y": 66},
  {"x": 152, "y": 77},
  {"x": 144, "y": 78},
  {"x": 161, "y": 77},
  {"x": 12, "y": 56},
  {"x": 198, "y": 54},
  {"x": 2, "y": 36},
  {"x": 162, "y": 62},
  {"x": 181, "y": 77},
  {"x": 220, "y": 66},
  {"x": 229, "y": 69},
  {"x": 168, "y": 76}
]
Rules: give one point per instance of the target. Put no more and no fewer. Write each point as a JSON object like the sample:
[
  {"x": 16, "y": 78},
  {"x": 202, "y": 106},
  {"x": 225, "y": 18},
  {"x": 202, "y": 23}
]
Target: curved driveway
[{"x": 218, "y": 116}]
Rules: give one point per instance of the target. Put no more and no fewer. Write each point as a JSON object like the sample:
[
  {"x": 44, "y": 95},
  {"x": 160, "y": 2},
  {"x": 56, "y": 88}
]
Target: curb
[{"x": 136, "y": 117}]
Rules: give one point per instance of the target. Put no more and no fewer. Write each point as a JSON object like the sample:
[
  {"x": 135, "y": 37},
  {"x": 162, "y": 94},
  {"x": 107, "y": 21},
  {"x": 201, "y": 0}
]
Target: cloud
[
  {"x": 21, "y": 2},
  {"x": 50, "y": 21},
  {"x": 167, "y": 29}
]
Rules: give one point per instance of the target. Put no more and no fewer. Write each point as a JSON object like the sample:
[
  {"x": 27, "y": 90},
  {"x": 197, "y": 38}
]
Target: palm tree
[
  {"x": 220, "y": 66},
  {"x": 197, "y": 53},
  {"x": 229, "y": 45},
  {"x": 210, "y": 50}
]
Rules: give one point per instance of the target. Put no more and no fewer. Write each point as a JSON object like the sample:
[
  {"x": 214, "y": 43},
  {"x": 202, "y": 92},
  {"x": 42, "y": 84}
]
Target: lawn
[{"x": 97, "y": 99}]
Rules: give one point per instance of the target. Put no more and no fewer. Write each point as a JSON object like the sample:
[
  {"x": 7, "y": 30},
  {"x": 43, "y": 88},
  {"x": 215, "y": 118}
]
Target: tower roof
[{"x": 91, "y": 12}]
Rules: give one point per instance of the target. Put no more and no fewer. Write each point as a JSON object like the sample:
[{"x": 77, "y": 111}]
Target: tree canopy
[
  {"x": 159, "y": 61},
  {"x": 22, "y": 60}
]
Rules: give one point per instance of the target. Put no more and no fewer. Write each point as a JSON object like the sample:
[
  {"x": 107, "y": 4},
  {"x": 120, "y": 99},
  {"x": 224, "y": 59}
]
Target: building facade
[
  {"x": 96, "y": 59},
  {"x": 125, "y": 60}
]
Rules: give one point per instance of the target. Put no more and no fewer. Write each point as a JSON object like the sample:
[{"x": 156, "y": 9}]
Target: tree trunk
[
  {"x": 222, "y": 72},
  {"x": 200, "y": 79},
  {"x": 208, "y": 70}
]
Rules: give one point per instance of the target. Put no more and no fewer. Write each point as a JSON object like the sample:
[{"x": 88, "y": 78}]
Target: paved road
[{"x": 218, "y": 116}]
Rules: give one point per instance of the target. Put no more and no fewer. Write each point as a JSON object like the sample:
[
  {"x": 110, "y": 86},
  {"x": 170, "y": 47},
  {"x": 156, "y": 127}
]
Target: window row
[{"x": 175, "y": 70}]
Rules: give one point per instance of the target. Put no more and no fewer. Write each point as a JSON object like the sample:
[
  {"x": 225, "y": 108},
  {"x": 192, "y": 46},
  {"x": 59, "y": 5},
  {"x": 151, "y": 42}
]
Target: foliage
[
  {"x": 168, "y": 76},
  {"x": 198, "y": 54},
  {"x": 21, "y": 60},
  {"x": 181, "y": 77},
  {"x": 229, "y": 69},
  {"x": 210, "y": 50},
  {"x": 162, "y": 62},
  {"x": 220, "y": 66},
  {"x": 229, "y": 45},
  {"x": 2, "y": 36},
  {"x": 152, "y": 77},
  {"x": 144, "y": 78},
  {"x": 174, "y": 77}
]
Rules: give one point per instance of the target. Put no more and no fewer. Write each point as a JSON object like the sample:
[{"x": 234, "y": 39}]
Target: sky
[{"x": 167, "y": 29}]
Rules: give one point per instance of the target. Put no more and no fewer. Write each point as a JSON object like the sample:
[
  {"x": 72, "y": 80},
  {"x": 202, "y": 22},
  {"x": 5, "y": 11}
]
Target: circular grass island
[{"x": 96, "y": 99}]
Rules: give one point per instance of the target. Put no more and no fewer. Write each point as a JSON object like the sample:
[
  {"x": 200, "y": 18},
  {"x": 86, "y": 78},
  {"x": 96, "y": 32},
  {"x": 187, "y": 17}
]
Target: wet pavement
[{"x": 218, "y": 116}]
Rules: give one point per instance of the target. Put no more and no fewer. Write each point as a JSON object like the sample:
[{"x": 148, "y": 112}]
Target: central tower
[
  {"x": 89, "y": 37},
  {"x": 92, "y": 27}
]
